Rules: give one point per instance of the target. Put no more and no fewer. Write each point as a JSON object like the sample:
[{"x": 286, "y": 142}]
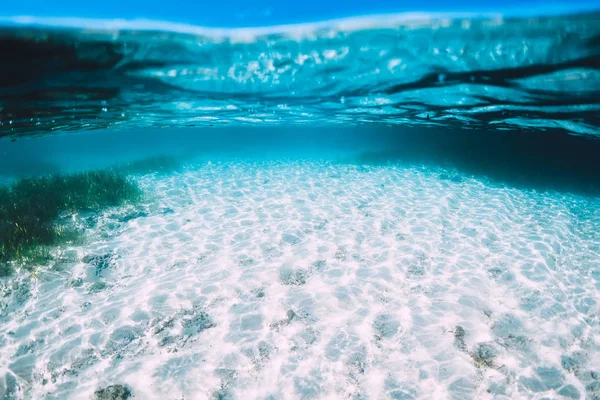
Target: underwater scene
[{"x": 399, "y": 206}]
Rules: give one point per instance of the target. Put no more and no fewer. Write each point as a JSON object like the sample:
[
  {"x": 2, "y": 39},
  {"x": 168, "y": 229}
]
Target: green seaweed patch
[{"x": 31, "y": 211}]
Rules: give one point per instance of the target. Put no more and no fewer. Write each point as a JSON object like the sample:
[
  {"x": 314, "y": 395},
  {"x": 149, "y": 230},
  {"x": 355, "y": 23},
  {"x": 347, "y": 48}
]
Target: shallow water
[
  {"x": 397, "y": 208},
  {"x": 312, "y": 270}
]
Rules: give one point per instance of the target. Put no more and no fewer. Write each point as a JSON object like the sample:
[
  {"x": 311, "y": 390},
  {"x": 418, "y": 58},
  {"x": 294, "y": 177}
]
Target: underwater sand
[{"x": 316, "y": 280}]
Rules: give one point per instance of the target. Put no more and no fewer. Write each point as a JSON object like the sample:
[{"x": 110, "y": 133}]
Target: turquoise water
[
  {"x": 402, "y": 70},
  {"x": 398, "y": 207}
]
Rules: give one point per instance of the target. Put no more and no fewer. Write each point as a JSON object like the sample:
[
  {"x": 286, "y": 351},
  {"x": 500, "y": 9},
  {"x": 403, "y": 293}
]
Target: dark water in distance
[{"x": 539, "y": 160}]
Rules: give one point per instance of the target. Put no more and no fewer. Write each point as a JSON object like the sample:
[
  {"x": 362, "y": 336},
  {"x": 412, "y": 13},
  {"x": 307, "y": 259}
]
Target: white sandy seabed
[{"x": 306, "y": 279}]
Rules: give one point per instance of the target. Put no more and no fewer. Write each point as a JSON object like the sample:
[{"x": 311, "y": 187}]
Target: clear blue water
[
  {"x": 403, "y": 70},
  {"x": 393, "y": 207}
]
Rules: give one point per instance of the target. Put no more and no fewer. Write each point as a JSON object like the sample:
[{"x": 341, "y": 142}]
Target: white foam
[{"x": 294, "y": 31}]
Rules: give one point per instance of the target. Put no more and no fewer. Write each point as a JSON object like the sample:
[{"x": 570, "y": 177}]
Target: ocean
[{"x": 398, "y": 206}]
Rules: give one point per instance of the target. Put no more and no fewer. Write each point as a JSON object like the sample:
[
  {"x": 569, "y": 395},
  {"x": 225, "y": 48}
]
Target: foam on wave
[{"x": 299, "y": 31}]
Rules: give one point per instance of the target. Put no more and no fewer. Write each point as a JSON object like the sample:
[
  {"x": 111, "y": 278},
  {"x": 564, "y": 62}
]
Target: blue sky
[{"x": 236, "y": 13}]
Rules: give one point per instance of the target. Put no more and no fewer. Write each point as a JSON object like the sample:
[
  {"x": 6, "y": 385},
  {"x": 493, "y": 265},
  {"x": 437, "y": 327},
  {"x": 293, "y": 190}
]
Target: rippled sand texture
[{"x": 316, "y": 280}]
